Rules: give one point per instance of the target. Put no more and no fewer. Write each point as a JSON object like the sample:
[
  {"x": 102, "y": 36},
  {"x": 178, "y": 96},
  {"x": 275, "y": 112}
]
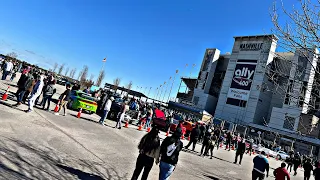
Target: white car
[{"x": 282, "y": 155}]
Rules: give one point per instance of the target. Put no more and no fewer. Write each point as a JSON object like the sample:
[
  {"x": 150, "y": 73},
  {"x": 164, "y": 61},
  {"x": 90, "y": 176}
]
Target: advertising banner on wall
[{"x": 242, "y": 79}]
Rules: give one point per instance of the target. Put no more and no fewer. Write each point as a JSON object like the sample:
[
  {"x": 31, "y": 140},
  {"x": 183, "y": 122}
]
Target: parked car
[
  {"x": 79, "y": 99},
  {"x": 282, "y": 155}
]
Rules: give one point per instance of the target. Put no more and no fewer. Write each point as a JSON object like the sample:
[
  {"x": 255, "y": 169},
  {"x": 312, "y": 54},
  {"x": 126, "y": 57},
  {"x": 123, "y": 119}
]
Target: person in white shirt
[
  {"x": 106, "y": 109},
  {"x": 8, "y": 68}
]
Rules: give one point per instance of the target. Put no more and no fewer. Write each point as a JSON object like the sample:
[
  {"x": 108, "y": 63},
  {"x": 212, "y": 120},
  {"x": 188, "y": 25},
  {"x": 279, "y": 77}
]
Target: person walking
[
  {"x": 241, "y": 149},
  {"x": 296, "y": 163},
  {"x": 217, "y": 132},
  {"x": 124, "y": 108},
  {"x": 169, "y": 155},
  {"x": 149, "y": 150},
  {"x": 149, "y": 117},
  {"x": 211, "y": 145},
  {"x": 194, "y": 136},
  {"x": 32, "y": 77},
  {"x": 8, "y": 67},
  {"x": 260, "y": 165},
  {"x": 64, "y": 98},
  {"x": 228, "y": 140},
  {"x": 281, "y": 173},
  {"x": 106, "y": 109},
  {"x": 289, "y": 160},
  {"x": 202, "y": 132},
  {"x": 205, "y": 143},
  {"x": 47, "y": 94},
  {"x": 307, "y": 166},
  {"x": 35, "y": 93}
]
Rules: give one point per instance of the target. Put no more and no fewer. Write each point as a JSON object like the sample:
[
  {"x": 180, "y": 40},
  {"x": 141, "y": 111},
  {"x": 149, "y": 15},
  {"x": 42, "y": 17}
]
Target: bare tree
[
  {"x": 12, "y": 55},
  {"x": 299, "y": 34},
  {"x": 66, "y": 73},
  {"x": 116, "y": 83},
  {"x": 72, "y": 73},
  {"x": 84, "y": 73},
  {"x": 129, "y": 87},
  {"x": 55, "y": 66},
  {"x": 61, "y": 69},
  {"x": 91, "y": 77},
  {"x": 100, "y": 78},
  {"x": 80, "y": 75}
]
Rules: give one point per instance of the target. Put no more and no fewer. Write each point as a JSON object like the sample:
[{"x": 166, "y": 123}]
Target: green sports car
[{"x": 79, "y": 99}]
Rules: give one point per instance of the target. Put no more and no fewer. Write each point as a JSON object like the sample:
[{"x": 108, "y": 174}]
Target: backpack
[{"x": 133, "y": 106}]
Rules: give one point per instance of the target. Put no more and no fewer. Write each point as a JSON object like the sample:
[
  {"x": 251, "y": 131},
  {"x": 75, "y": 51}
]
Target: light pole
[
  {"x": 158, "y": 92},
  {"x": 166, "y": 89},
  {"x": 155, "y": 93},
  {"x": 174, "y": 77},
  {"x": 161, "y": 91}
]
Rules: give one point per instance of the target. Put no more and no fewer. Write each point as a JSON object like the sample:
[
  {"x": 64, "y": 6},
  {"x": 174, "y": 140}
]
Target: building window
[
  {"x": 204, "y": 85},
  {"x": 197, "y": 82},
  {"x": 196, "y": 100},
  {"x": 207, "y": 74},
  {"x": 289, "y": 123}
]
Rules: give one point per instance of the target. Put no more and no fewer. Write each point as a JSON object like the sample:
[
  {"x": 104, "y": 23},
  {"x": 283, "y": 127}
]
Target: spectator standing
[
  {"x": 211, "y": 144},
  {"x": 124, "y": 108},
  {"x": 13, "y": 75},
  {"x": 23, "y": 83},
  {"x": 48, "y": 92},
  {"x": 228, "y": 140},
  {"x": 169, "y": 155},
  {"x": 307, "y": 166},
  {"x": 106, "y": 109},
  {"x": 64, "y": 98},
  {"x": 149, "y": 117},
  {"x": 202, "y": 132},
  {"x": 206, "y": 139},
  {"x": 195, "y": 133},
  {"x": 8, "y": 67},
  {"x": 240, "y": 150},
  {"x": 35, "y": 93},
  {"x": 149, "y": 149},
  {"x": 260, "y": 165},
  {"x": 289, "y": 160},
  {"x": 281, "y": 173}
]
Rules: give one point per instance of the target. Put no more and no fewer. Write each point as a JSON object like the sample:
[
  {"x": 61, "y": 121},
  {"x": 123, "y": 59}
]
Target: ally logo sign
[{"x": 242, "y": 80}]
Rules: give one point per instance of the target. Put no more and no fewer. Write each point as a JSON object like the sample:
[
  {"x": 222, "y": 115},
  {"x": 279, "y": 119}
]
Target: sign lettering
[{"x": 251, "y": 47}]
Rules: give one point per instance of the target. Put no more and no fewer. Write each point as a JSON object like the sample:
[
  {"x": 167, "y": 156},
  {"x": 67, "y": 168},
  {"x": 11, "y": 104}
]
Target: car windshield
[{"x": 86, "y": 96}]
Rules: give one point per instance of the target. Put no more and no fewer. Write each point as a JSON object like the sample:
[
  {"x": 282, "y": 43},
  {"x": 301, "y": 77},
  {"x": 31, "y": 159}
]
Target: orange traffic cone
[
  {"x": 79, "y": 113},
  {"x": 233, "y": 148},
  {"x": 167, "y": 133},
  {"x": 189, "y": 138},
  {"x": 253, "y": 151},
  {"x": 5, "y": 95},
  {"x": 227, "y": 147},
  {"x": 220, "y": 145},
  {"x": 56, "y": 109},
  {"x": 140, "y": 126},
  {"x": 148, "y": 129},
  {"x": 126, "y": 125}
]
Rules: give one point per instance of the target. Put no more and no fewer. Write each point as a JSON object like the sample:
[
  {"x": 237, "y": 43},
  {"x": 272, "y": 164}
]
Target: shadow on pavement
[
  {"x": 20, "y": 160},
  {"x": 80, "y": 174}
]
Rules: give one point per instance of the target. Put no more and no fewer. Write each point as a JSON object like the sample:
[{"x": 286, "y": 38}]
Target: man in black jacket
[
  {"x": 240, "y": 150},
  {"x": 22, "y": 86},
  {"x": 195, "y": 133},
  {"x": 169, "y": 155}
]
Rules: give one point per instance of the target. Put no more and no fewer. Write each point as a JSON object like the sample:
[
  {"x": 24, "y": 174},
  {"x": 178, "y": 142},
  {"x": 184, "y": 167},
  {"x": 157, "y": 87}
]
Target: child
[{"x": 64, "y": 98}]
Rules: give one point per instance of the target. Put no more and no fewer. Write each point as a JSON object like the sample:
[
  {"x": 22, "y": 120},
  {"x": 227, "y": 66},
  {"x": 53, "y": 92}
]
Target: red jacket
[{"x": 281, "y": 174}]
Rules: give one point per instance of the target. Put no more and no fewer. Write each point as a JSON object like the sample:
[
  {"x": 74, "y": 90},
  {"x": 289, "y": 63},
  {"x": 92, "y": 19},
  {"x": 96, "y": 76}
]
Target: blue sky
[{"x": 145, "y": 40}]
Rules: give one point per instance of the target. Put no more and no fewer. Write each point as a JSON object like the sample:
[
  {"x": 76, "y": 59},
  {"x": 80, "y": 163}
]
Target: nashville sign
[{"x": 251, "y": 47}]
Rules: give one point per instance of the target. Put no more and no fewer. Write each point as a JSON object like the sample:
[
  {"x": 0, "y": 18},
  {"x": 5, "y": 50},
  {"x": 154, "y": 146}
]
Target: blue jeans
[
  {"x": 165, "y": 170},
  {"x": 5, "y": 74},
  {"x": 44, "y": 101},
  {"x": 104, "y": 116},
  {"x": 20, "y": 95},
  {"x": 148, "y": 122}
]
